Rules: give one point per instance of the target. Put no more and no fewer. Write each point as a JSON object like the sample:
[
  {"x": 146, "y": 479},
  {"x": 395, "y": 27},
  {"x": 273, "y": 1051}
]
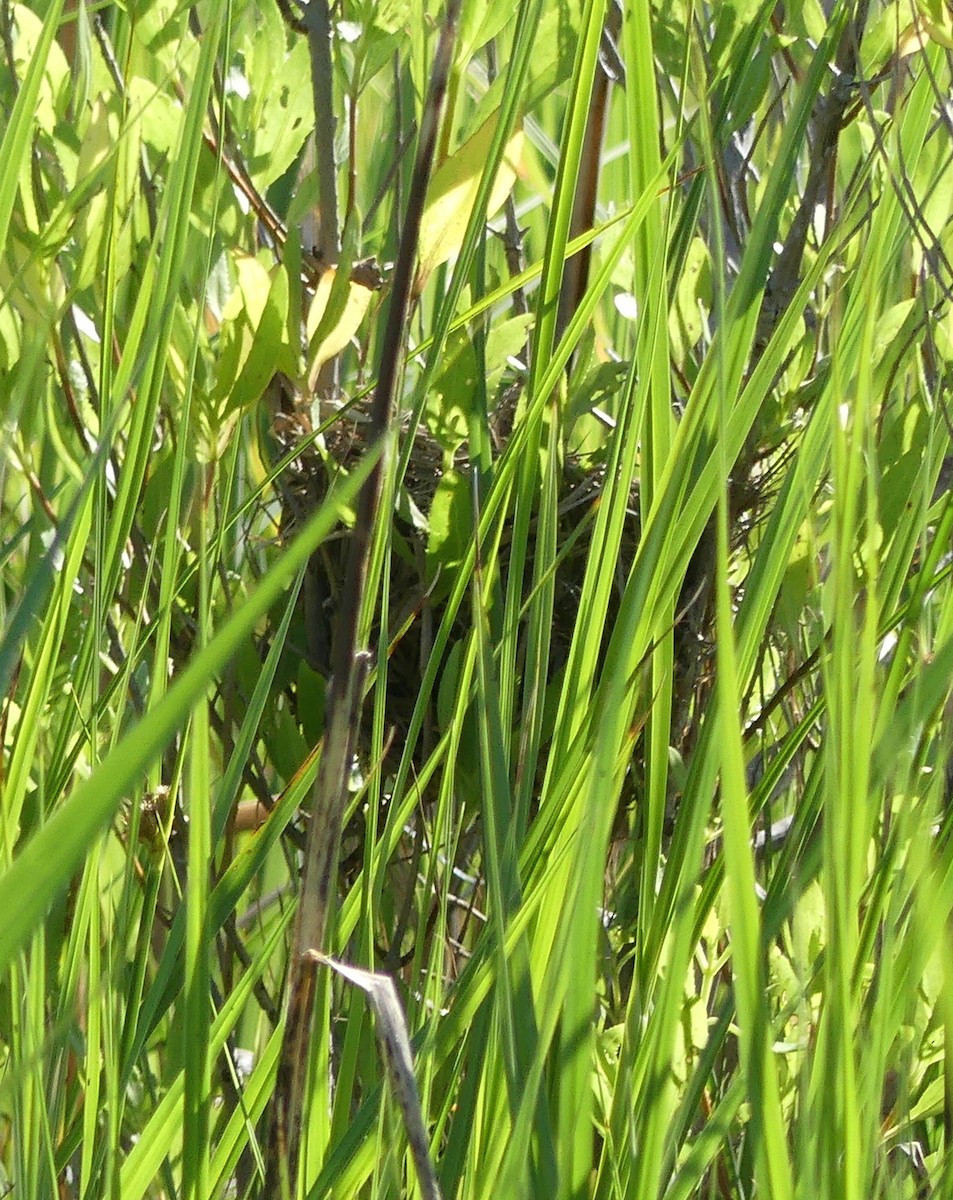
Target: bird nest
[{"x": 417, "y": 601}]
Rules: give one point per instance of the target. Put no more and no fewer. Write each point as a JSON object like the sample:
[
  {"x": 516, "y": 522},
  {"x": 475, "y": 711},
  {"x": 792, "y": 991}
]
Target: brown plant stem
[
  {"x": 349, "y": 673},
  {"x": 576, "y": 272},
  {"x": 317, "y": 25}
]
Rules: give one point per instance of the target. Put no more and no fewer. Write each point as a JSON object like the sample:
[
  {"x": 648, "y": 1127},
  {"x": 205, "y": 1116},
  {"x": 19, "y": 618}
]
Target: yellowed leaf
[
  {"x": 453, "y": 190},
  {"x": 55, "y": 88},
  {"x": 911, "y": 41},
  {"x": 937, "y": 20},
  {"x": 250, "y": 336},
  {"x": 355, "y": 308},
  {"x": 253, "y": 283}
]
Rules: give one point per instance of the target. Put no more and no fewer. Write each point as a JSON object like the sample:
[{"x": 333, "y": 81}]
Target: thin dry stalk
[{"x": 349, "y": 663}]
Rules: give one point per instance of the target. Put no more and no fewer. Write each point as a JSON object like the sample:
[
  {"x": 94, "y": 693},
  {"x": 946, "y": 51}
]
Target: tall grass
[{"x": 648, "y": 817}]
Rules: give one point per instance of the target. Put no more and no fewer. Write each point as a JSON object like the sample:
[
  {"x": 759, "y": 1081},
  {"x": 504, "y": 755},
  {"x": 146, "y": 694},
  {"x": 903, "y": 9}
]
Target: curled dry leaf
[{"x": 398, "y": 1060}]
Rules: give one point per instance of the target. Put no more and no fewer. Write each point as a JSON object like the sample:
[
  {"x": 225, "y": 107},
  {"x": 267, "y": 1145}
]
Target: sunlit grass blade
[{"x": 43, "y": 868}]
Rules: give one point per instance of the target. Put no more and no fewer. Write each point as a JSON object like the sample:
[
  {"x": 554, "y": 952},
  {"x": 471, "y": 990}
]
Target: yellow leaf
[
  {"x": 910, "y": 41},
  {"x": 241, "y": 322},
  {"x": 251, "y": 293},
  {"x": 355, "y": 308},
  {"x": 453, "y": 190},
  {"x": 55, "y": 89},
  {"x": 936, "y": 20}
]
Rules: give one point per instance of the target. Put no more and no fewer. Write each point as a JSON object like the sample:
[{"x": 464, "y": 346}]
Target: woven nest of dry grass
[
  {"x": 304, "y": 484},
  {"x": 417, "y": 609},
  {"x": 413, "y": 606}
]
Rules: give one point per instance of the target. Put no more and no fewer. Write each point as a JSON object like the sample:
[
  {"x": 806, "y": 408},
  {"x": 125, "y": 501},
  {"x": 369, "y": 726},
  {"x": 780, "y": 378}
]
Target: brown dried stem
[
  {"x": 317, "y": 26},
  {"x": 349, "y": 664}
]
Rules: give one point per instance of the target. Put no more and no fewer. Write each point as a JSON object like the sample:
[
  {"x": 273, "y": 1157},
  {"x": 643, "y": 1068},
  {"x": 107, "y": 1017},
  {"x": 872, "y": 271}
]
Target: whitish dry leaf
[{"x": 399, "y": 1061}]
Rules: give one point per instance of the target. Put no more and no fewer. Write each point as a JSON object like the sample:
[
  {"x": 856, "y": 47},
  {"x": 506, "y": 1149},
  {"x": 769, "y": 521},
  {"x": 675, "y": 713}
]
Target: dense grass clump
[{"x": 476, "y": 650}]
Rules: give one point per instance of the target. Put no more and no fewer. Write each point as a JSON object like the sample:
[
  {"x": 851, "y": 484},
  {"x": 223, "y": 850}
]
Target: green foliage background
[{"x": 651, "y": 811}]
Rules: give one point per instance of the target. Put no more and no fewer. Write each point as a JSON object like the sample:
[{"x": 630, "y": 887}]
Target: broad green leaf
[
  {"x": 480, "y": 21},
  {"x": 451, "y": 522},
  {"x": 446, "y": 411},
  {"x": 693, "y": 299},
  {"x": 267, "y": 347},
  {"x": 53, "y": 94},
  {"x": 383, "y": 34},
  {"x": 157, "y": 113},
  {"x": 556, "y": 35},
  {"x": 19, "y": 126},
  {"x": 271, "y": 95},
  {"x": 447, "y": 408},
  {"x": 505, "y": 341},
  {"x": 252, "y": 334},
  {"x": 101, "y": 151}
]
